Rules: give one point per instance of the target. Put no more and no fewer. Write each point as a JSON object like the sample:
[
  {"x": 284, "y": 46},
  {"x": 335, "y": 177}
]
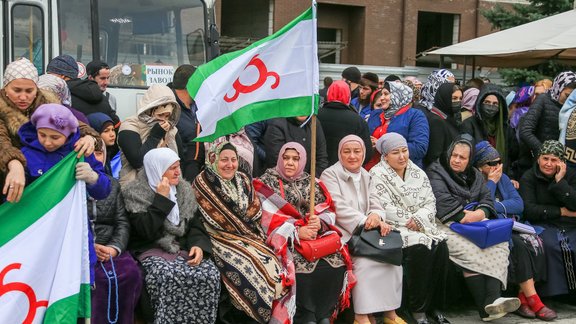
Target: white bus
[{"x": 143, "y": 41}]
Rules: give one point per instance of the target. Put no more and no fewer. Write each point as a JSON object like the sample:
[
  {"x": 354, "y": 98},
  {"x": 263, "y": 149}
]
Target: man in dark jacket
[
  {"x": 339, "y": 120},
  {"x": 188, "y": 125},
  {"x": 86, "y": 94}
]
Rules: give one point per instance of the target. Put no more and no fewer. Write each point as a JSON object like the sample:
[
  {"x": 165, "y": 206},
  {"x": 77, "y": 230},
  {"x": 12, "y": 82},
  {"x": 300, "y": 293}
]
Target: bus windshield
[{"x": 143, "y": 41}]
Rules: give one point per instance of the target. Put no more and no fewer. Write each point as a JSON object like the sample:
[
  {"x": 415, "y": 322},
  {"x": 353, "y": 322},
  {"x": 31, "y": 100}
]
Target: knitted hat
[
  {"x": 370, "y": 79},
  {"x": 63, "y": 65},
  {"x": 94, "y": 67},
  {"x": 181, "y": 76},
  {"x": 552, "y": 147},
  {"x": 55, "y": 117},
  {"x": 389, "y": 142},
  {"x": 485, "y": 153},
  {"x": 99, "y": 121},
  {"x": 22, "y": 68},
  {"x": 392, "y": 78},
  {"x": 352, "y": 74}
]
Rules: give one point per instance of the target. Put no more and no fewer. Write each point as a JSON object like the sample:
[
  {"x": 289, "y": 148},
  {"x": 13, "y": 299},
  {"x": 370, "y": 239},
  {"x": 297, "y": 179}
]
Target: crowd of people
[{"x": 237, "y": 230}]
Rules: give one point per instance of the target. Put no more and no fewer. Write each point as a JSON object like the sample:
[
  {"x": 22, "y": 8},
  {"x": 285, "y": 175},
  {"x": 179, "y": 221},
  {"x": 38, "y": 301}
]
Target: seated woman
[
  {"x": 527, "y": 261},
  {"x": 548, "y": 191},
  {"x": 170, "y": 242},
  {"x": 116, "y": 268},
  {"x": 404, "y": 191},
  {"x": 319, "y": 283},
  {"x": 259, "y": 281},
  {"x": 379, "y": 285},
  {"x": 455, "y": 184},
  {"x": 152, "y": 127}
]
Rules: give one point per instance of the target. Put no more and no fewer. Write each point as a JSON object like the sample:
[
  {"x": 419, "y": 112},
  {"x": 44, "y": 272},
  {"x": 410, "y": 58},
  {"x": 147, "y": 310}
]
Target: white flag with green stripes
[
  {"x": 277, "y": 76},
  {"x": 44, "y": 266}
]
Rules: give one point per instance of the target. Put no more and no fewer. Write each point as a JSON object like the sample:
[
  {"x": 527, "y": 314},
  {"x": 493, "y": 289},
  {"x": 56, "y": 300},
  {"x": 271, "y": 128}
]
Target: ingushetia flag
[
  {"x": 277, "y": 76},
  {"x": 44, "y": 265}
]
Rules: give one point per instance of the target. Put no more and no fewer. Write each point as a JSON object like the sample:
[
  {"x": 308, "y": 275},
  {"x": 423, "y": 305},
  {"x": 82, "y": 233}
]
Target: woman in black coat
[
  {"x": 456, "y": 184},
  {"x": 549, "y": 194}
]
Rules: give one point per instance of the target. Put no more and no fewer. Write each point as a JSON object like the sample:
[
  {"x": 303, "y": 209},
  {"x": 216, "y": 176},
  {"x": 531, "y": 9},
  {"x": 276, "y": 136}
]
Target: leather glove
[{"x": 85, "y": 173}]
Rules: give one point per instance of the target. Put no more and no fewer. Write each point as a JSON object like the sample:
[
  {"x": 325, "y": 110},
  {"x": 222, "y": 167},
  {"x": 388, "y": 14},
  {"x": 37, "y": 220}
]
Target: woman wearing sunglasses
[{"x": 527, "y": 261}]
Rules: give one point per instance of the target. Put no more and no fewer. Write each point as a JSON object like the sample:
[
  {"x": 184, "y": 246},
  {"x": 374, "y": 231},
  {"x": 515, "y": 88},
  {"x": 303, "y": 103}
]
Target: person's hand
[
  {"x": 85, "y": 173},
  {"x": 411, "y": 225},
  {"x": 85, "y": 145},
  {"x": 314, "y": 222},
  {"x": 165, "y": 125},
  {"x": 385, "y": 228},
  {"x": 567, "y": 212},
  {"x": 14, "y": 182},
  {"x": 307, "y": 233},
  {"x": 472, "y": 216},
  {"x": 103, "y": 253},
  {"x": 373, "y": 140},
  {"x": 515, "y": 183},
  {"x": 196, "y": 254},
  {"x": 495, "y": 173},
  {"x": 163, "y": 187},
  {"x": 372, "y": 221},
  {"x": 561, "y": 171}
]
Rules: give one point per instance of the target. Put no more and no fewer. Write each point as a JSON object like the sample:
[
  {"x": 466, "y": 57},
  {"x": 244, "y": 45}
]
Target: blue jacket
[
  {"x": 511, "y": 202},
  {"x": 413, "y": 125},
  {"x": 38, "y": 160}
]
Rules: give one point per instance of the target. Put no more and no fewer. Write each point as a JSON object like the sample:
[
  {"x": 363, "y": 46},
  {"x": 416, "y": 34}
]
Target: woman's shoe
[
  {"x": 438, "y": 317},
  {"x": 397, "y": 320},
  {"x": 525, "y": 311},
  {"x": 502, "y": 305},
  {"x": 546, "y": 314}
]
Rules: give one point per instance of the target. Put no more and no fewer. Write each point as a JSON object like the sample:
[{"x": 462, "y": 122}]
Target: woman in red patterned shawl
[{"x": 320, "y": 282}]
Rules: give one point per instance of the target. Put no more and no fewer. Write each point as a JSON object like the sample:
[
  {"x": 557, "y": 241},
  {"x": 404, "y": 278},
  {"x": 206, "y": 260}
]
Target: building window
[{"x": 435, "y": 30}]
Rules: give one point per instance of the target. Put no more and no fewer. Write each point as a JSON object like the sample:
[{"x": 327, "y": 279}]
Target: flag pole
[
  {"x": 313, "y": 121},
  {"x": 312, "y": 165}
]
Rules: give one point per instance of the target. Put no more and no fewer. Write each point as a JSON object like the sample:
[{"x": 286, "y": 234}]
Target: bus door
[{"x": 26, "y": 32}]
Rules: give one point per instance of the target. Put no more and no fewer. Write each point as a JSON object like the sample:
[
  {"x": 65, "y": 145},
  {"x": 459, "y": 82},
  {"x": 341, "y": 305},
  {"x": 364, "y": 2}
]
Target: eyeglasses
[{"x": 494, "y": 163}]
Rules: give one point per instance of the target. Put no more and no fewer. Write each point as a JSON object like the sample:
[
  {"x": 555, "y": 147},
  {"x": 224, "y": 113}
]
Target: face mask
[
  {"x": 490, "y": 110},
  {"x": 456, "y": 106}
]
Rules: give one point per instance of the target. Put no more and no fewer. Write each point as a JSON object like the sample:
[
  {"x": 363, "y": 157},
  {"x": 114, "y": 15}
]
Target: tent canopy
[{"x": 520, "y": 46}]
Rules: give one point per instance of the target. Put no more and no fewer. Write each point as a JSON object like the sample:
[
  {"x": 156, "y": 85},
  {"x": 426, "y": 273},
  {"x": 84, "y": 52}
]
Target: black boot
[{"x": 477, "y": 286}]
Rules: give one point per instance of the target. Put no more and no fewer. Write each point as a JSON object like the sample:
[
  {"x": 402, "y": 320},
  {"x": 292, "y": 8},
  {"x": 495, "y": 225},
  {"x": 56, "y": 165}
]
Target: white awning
[{"x": 520, "y": 46}]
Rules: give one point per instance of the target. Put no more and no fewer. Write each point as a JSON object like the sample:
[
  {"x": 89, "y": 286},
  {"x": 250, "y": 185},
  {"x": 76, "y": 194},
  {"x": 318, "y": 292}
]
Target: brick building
[{"x": 362, "y": 32}]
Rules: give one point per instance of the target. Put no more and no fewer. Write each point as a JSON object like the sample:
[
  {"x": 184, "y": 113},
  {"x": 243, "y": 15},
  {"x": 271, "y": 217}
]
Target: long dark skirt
[
  {"x": 527, "y": 259},
  {"x": 559, "y": 247},
  {"x": 317, "y": 292},
  {"x": 180, "y": 293},
  {"x": 425, "y": 277},
  {"x": 104, "y": 297}
]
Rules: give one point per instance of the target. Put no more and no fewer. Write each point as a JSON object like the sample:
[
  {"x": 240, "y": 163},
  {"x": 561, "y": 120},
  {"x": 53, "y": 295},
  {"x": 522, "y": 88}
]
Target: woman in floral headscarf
[
  {"x": 428, "y": 91},
  {"x": 321, "y": 283},
  {"x": 548, "y": 191},
  {"x": 257, "y": 271},
  {"x": 397, "y": 116}
]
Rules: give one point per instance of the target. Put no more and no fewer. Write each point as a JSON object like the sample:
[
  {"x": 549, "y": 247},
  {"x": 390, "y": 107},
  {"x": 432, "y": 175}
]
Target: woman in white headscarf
[
  {"x": 171, "y": 243},
  {"x": 379, "y": 285}
]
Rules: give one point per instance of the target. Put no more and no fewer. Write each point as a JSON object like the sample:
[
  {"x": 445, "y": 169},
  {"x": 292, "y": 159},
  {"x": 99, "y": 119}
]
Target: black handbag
[{"x": 370, "y": 244}]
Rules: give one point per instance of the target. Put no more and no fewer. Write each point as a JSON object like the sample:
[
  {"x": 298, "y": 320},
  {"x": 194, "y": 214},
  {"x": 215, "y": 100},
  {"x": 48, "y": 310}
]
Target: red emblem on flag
[
  {"x": 23, "y": 288},
  {"x": 263, "y": 75}
]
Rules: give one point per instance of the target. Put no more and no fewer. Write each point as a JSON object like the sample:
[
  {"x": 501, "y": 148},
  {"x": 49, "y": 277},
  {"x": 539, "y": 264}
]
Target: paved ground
[{"x": 566, "y": 315}]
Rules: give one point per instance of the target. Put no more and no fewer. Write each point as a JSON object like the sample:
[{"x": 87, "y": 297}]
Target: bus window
[
  {"x": 146, "y": 43},
  {"x": 27, "y": 31},
  {"x": 75, "y": 29}
]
